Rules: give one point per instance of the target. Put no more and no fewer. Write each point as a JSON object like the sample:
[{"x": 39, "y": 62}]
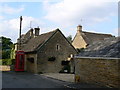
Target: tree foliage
[
  {"x": 69, "y": 38},
  {"x": 6, "y": 44},
  {"x": 80, "y": 49}
]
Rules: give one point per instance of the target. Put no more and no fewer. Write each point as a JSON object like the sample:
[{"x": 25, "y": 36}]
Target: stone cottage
[
  {"x": 82, "y": 38},
  {"x": 44, "y": 53}
]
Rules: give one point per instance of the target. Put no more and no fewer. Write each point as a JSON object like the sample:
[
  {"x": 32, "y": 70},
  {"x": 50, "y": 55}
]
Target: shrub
[
  {"x": 6, "y": 61},
  {"x": 0, "y": 62},
  {"x": 40, "y": 72},
  {"x": 66, "y": 67},
  {"x": 80, "y": 49}
]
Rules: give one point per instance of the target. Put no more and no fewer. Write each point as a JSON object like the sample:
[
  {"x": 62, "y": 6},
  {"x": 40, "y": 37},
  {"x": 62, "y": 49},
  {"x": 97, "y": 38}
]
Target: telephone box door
[{"x": 19, "y": 64}]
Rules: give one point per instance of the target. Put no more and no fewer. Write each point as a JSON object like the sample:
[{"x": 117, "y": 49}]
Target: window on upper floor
[{"x": 57, "y": 47}]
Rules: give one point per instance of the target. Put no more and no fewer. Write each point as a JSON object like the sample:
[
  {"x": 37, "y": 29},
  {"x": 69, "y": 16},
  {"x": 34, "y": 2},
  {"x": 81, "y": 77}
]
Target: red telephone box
[{"x": 19, "y": 61}]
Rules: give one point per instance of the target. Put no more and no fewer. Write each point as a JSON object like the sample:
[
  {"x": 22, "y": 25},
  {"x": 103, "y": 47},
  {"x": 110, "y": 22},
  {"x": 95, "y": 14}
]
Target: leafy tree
[
  {"x": 6, "y": 44},
  {"x": 80, "y": 50},
  {"x": 69, "y": 38}
]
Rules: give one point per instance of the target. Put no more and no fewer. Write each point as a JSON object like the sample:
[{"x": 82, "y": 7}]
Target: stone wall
[
  {"x": 31, "y": 66},
  {"x": 78, "y": 41},
  {"x": 57, "y": 47},
  {"x": 102, "y": 71}
]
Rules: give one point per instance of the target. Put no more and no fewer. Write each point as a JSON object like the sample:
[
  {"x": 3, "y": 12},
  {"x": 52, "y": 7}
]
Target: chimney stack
[
  {"x": 79, "y": 28},
  {"x": 37, "y": 31}
]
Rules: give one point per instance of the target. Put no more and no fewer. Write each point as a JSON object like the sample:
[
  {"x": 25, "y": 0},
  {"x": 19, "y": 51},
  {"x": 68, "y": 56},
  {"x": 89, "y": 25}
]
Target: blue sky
[{"x": 99, "y": 16}]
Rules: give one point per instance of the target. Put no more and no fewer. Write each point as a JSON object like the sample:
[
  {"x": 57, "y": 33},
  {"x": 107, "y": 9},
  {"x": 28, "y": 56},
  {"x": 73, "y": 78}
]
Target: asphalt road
[{"x": 29, "y": 80}]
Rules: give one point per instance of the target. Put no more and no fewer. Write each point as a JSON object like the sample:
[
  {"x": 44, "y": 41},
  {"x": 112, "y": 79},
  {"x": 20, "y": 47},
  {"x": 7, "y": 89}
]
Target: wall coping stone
[{"x": 111, "y": 58}]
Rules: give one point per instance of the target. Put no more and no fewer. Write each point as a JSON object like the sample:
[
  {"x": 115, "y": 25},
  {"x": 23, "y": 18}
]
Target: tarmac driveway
[{"x": 28, "y": 80}]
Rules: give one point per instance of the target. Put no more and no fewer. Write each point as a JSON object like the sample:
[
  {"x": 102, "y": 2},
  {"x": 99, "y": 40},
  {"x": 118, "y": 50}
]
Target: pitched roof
[
  {"x": 91, "y": 37},
  {"x": 36, "y": 42},
  {"x": 107, "y": 48}
]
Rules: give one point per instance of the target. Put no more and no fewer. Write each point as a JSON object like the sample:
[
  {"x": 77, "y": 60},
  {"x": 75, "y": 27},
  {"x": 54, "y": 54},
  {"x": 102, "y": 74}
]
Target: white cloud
[
  {"x": 116, "y": 32},
  {"x": 28, "y": 0},
  {"x": 119, "y": 32},
  {"x": 49, "y": 0},
  {"x": 69, "y": 12},
  {"x": 10, "y": 10},
  {"x": 10, "y": 28}
]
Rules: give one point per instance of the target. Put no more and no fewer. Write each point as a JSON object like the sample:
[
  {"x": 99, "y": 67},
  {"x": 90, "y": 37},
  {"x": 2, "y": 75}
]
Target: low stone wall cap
[{"x": 97, "y": 57}]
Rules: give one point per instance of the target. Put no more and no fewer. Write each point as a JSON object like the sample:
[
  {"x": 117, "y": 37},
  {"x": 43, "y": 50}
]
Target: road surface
[{"x": 29, "y": 80}]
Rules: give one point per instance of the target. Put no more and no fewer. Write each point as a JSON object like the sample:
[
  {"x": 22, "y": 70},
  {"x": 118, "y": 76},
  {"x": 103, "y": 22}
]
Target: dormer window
[{"x": 57, "y": 47}]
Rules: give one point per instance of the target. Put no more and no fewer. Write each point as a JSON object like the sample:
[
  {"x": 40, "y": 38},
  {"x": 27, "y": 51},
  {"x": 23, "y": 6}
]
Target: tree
[
  {"x": 69, "y": 38},
  {"x": 80, "y": 49},
  {"x": 6, "y": 44}
]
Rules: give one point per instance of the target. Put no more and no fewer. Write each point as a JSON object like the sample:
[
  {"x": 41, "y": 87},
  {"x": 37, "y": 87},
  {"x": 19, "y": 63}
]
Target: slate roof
[
  {"x": 91, "y": 37},
  {"x": 35, "y": 42},
  {"x": 107, "y": 48}
]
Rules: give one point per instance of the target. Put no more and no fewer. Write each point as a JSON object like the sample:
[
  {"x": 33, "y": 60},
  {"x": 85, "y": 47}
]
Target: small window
[
  {"x": 30, "y": 60},
  {"x": 51, "y": 59},
  {"x": 57, "y": 47}
]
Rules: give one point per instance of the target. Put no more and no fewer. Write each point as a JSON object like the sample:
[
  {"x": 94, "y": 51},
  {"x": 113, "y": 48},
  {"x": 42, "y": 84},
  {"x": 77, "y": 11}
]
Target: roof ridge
[
  {"x": 97, "y": 33},
  {"x": 48, "y": 32}
]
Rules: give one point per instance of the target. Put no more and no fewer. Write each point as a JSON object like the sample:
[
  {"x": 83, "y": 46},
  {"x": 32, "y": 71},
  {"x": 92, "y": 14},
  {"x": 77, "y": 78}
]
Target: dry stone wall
[{"x": 102, "y": 71}]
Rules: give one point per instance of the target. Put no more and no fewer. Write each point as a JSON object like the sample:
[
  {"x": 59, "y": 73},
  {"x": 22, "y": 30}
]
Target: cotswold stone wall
[
  {"x": 102, "y": 71},
  {"x": 31, "y": 66},
  {"x": 50, "y": 50},
  {"x": 78, "y": 41}
]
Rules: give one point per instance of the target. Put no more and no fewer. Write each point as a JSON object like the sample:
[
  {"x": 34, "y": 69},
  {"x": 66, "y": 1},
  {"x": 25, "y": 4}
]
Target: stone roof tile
[
  {"x": 91, "y": 37},
  {"x": 36, "y": 42}
]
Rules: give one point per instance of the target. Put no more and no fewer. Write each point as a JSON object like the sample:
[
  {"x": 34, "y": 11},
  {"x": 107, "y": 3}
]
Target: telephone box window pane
[{"x": 21, "y": 61}]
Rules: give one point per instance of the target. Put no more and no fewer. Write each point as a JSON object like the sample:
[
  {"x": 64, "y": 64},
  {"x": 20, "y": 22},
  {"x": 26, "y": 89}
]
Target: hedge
[{"x": 6, "y": 62}]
